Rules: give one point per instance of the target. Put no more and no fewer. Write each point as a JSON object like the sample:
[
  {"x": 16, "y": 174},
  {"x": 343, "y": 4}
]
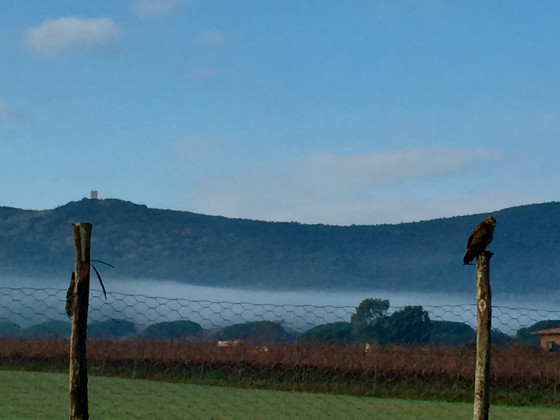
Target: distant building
[
  {"x": 94, "y": 194},
  {"x": 550, "y": 339}
]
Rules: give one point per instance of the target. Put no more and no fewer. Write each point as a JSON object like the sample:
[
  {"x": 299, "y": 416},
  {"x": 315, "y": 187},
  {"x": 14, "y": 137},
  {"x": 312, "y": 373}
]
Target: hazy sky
[{"x": 317, "y": 111}]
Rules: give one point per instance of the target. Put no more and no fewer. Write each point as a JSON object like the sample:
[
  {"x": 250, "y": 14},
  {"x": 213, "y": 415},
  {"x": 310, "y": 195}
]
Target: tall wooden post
[
  {"x": 77, "y": 307},
  {"x": 483, "y": 323}
]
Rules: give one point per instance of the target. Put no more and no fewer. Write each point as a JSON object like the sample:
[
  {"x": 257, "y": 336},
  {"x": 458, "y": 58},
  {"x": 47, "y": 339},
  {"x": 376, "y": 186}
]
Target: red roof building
[{"x": 550, "y": 338}]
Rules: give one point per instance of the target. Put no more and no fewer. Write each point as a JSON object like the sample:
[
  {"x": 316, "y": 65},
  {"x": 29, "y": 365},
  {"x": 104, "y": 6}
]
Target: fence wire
[{"x": 153, "y": 357}]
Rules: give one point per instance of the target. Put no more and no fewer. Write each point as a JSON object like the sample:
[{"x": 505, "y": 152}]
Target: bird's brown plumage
[{"x": 479, "y": 239}]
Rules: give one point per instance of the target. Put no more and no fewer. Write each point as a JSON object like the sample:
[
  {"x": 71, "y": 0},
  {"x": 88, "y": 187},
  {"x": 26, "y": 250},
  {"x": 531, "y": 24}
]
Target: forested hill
[{"x": 217, "y": 251}]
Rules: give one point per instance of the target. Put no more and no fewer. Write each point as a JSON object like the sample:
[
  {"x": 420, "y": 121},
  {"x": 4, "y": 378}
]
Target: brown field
[{"x": 520, "y": 375}]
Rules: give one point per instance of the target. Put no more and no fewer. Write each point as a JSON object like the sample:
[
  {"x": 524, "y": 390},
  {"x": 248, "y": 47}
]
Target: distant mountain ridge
[{"x": 217, "y": 251}]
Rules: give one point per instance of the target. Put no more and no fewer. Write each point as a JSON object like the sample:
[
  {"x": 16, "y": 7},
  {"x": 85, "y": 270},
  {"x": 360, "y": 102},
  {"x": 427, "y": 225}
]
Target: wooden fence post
[
  {"x": 77, "y": 307},
  {"x": 483, "y": 330}
]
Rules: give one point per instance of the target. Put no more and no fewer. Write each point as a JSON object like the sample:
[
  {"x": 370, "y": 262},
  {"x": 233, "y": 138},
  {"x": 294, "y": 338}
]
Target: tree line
[{"x": 370, "y": 323}]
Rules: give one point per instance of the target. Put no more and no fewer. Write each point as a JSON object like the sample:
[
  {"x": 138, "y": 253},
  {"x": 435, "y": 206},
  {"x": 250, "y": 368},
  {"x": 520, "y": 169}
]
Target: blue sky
[{"x": 316, "y": 111}]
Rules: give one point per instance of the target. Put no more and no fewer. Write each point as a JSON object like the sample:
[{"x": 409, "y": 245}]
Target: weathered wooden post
[
  {"x": 77, "y": 301},
  {"x": 483, "y": 323}
]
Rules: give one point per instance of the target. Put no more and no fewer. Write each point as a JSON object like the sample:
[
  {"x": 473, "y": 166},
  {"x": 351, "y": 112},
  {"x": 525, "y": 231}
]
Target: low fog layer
[{"x": 27, "y": 301}]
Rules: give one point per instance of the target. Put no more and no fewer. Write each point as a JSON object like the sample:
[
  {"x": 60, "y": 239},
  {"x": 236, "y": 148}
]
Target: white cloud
[
  {"x": 392, "y": 166},
  {"x": 208, "y": 38},
  {"x": 388, "y": 187},
  {"x": 54, "y": 38},
  {"x": 156, "y": 8}
]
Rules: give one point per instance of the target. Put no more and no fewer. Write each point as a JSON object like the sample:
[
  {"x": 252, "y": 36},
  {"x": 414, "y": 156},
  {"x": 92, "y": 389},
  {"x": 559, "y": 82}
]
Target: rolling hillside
[{"x": 218, "y": 251}]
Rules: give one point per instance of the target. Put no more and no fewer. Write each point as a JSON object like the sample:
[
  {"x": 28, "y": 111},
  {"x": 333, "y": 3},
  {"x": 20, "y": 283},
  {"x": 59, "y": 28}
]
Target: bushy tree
[
  {"x": 333, "y": 333},
  {"x": 498, "y": 338},
  {"x": 525, "y": 336},
  {"x": 173, "y": 330},
  {"x": 411, "y": 325},
  {"x": 367, "y": 322},
  {"x": 49, "y": 328},
  {"x": 451, "y": 333},
  {"x": 265, "y": 332},
  {"x": 9, "y": 329},
  {"x": 111, "y": 328}
]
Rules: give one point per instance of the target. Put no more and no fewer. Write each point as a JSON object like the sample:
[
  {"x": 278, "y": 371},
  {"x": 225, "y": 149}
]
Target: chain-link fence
[{"x": 151, "y": 357}]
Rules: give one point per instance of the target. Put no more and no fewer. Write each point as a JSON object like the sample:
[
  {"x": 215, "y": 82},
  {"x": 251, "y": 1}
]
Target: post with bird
[
  {"x": 77, "y": 302},
  {"x": 478, "y": 240}
]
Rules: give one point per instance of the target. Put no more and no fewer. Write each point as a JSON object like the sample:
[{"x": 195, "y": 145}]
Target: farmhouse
[
  {"x": 550, "y": 338},
  {"x": 229, "y": 343}
]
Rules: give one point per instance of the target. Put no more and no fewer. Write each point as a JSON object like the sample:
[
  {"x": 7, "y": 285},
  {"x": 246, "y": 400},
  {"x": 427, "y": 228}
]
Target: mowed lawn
[{"x": 34, "y": 395}]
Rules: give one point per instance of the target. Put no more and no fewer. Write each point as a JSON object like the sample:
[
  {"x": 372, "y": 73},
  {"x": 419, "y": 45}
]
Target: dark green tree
[
  {"x": 450, "y": 333},
  {"x": 111, "y": 328},
  {"x": 9, "y": 329},
  {"x": 49, "y": 328},
  {"x": 525, "y": 335},
  {"x": 333, "y": 333},
  {"x": 263, "y": 332},
  {"x": 498, "y": 338},
  {"x": 174, "y": 330},
  {"x": 367, "y": 322},
  {"x": 411, "y": 325}
]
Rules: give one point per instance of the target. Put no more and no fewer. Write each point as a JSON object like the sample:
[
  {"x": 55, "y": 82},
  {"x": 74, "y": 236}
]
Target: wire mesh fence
[{"x": 152, "y": 357}]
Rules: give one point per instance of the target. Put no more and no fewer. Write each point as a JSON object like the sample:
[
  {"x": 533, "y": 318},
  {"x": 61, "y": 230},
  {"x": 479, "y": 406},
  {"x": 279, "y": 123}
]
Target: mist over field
[
  {"x": 351, "y": 298},
  {"x": 217, "y": 271},
  {"x": 148, "y": 301}
]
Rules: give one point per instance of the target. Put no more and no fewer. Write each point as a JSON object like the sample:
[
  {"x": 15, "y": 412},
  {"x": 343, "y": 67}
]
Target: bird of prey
[{"x": 479, "y": 239}]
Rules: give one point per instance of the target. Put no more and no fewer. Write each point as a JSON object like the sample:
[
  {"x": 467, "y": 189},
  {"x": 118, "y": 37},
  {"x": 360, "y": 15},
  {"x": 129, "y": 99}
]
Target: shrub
[{"x": 174, "y": 330}]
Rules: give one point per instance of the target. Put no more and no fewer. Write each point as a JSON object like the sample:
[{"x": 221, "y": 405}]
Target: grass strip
[{"x": 37, "y": 395}]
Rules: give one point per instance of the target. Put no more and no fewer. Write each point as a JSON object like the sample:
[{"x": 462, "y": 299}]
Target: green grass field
[{"x": 33, "y": 395}]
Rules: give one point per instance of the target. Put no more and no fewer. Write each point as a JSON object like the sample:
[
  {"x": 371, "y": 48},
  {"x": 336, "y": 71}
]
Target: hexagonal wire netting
[{"x": 153, "y": 357}]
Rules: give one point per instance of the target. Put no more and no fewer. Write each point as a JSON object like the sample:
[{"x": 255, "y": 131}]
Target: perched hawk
[{"x": 479, "y": 239}]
